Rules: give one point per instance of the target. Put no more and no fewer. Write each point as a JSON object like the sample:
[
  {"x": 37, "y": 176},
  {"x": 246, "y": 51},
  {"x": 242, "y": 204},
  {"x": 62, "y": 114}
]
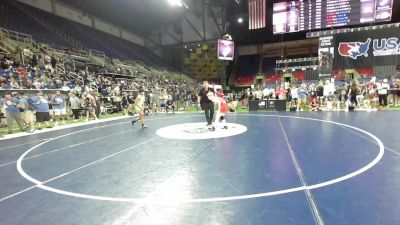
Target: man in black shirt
[
  {"x": 169, "y": 105},
  {"x": 206, "y": 103}
]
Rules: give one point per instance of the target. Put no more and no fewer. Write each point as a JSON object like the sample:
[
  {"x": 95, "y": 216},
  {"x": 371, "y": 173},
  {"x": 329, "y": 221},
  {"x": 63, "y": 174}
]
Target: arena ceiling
[
  {"x": 149, "y": 17},
  {"x": 139, "y": 16}
]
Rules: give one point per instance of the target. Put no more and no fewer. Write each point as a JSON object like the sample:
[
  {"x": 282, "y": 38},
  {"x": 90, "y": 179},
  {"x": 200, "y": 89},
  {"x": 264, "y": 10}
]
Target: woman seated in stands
[
  {"x": 3, "y": 83},
  {"x": 13, "y": 83}
]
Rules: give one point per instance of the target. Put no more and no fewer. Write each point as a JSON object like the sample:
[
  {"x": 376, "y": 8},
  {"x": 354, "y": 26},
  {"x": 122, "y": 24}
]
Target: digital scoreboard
[{"x": 304, "y": 15}]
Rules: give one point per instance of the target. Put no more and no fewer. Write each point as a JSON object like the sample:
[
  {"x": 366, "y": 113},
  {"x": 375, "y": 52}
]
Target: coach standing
[{"x": 206, "y": 103}]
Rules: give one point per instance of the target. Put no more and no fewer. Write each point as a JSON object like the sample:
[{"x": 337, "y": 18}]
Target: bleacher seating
[
  {"x": 14, "y": 17},
  {"x": 244, "y": 80},
  {"x": 246, "y": 70},
  {"x": 268, "y": 65},
  {"x": 94, "y": 39},
  {"x": 366, "y": 71}
]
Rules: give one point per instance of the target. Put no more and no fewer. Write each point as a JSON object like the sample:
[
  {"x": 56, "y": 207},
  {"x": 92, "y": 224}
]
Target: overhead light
[
  {"x": 240, "y": 20},
  {"x": 198, "y": 45},
  {"x": 191, "y": 49},
  {"x": 178, "y": 3}
]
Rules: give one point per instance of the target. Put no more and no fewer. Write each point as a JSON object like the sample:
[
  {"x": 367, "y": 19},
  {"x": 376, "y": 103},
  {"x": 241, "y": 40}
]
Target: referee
[{"x": 206, "y": 103}]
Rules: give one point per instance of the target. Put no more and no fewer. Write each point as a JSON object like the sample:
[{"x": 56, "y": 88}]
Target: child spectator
[
  {"x": 330, "y": 100},
  {"x": 314, "y": 105}
]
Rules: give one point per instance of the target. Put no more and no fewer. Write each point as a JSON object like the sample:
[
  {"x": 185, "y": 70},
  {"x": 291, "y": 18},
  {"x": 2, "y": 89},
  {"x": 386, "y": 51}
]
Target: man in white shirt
[
  {"x": 74, "y": 102},
  {"x": 383, "y": 93},
  {"x": 65, "y": 87}
]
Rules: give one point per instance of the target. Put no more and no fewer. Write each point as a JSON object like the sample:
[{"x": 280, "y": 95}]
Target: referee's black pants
[{"x": 209, "y": 111}]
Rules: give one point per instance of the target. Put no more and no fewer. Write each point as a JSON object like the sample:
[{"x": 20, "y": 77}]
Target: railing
[
  {"x": 81, "y": 53},
  {"x": 73, "y": 52},
  {"x": 76, "y": 76},
  {"x": 96, "y": 53},
  {"x": 21, "y": 37}
]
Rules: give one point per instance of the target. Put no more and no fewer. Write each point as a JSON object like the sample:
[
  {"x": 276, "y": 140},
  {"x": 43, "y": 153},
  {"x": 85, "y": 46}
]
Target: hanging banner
[
  {"x": 380, "y": 47},
  {"x": 326, "y": 54}
]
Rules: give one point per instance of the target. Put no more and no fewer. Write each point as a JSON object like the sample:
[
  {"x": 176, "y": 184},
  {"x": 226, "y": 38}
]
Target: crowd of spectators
[
  {"x": 330, "y": 95},
  {"x": 36, "y": 95}
]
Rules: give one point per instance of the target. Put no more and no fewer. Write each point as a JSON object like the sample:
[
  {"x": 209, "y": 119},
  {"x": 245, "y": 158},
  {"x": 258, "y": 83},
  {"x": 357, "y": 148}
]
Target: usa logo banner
[
  {"x": 354, "y": 49},
  {"x": 369, "y": 48}
]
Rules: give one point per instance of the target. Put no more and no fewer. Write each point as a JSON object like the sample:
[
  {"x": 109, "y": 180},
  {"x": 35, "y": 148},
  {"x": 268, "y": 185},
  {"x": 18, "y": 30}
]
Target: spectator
[
  {"x": 314, "y": 105},
  {"x": 170, "y": 106},
  {"x": 353, "y": 94},
  {"x": 13, "y": 83},
  {"x": 42, "y": 111},
  {"x": 13, "y": 107},
  {"x": 294, "y": 92},
  {"x": 98, "y": 104},
  {"x": 90, "y": 104},
  {"x": 302, "y": 97},
  {"x": 396, "y": 92},
  {"x": 383, "y": 93},
  {"x": 58, "y": 105},
  {"x": 330, "y": 100},
  {"x": 75, "y": 105},
  {"x": 125, "y": 104},
  {"x": 53, "y": 61},
  {"x": 65, "y": 87},
  {"x": 329, "y": 88},
  {"x": 360, "y": 95},
  {"x": 28, "y": 114}
]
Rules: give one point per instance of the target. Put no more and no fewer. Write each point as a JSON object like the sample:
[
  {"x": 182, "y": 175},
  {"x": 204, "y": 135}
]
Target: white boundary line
[
  {"x": 40, "y": 184},
  {"x": 65, "y": 147},
  {"x": 310, "y": 198},
  {"x": 80, "y": 124},
  {"x": 27, "y": 143},
  {"x": 80, "y": 131},
  {"x": 24, "y": 134},
  {"x": 218, "y": 199},
  {"x": 123, "y": 219}
]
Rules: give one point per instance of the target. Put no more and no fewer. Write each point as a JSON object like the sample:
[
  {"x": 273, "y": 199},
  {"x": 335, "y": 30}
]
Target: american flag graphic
[{"x": 257, "y": 14}]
